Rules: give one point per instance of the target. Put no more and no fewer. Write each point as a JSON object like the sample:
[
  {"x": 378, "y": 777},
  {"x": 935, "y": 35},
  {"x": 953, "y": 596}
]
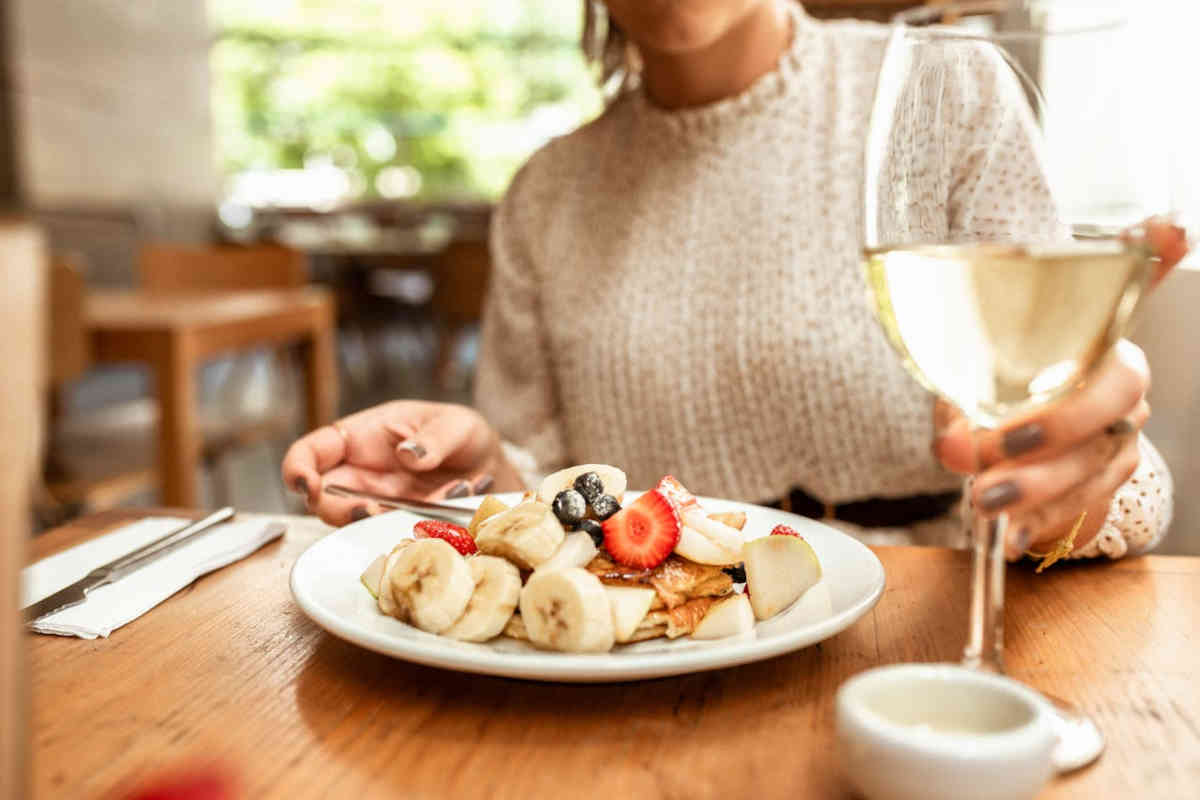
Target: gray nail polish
[
  {"x": 1119, "y": 428},
  {"x": 359, "y": 512},
  {"x": 1024, "y": 537},
  {"x": 460, "y": 489},
  {"x": 416, "y": 448},
  {"x": 483, "y": 484},
  {"x": 997, "y": 497},
  {"x": 300, "y": 486},
  {"x": 1021, "y": 440}
]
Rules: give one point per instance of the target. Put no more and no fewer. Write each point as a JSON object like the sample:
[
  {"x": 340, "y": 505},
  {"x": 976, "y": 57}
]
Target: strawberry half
[
  {"x": 456, "y": 535},
  {"x": 673, "y": 490},
  {"x": 641, "y": 535},
  {"x": 784, "y": 530}
]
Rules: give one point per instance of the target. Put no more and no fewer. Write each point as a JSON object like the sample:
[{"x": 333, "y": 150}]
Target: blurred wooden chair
[
  {"x": 460, "y": 277},
  {"x": 166, "y": 268},
  {"x": 78, "y": 470},
  {"x": 88, "y": 445}
]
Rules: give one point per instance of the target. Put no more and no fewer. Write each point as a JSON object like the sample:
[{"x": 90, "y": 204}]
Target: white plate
[{"x": 325, "y": 583}]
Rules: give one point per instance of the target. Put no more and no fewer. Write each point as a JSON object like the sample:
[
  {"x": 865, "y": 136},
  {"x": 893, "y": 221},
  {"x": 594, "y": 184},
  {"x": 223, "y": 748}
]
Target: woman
[{"x": 676, "y": 289}]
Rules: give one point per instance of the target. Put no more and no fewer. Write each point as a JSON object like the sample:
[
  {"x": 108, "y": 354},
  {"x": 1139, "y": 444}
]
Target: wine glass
[{"x": 1002, "y": 194}]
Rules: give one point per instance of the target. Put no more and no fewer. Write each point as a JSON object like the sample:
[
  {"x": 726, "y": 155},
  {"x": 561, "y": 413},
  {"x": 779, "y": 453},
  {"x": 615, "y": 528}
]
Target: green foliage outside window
[{"x": 457, "y": 92}]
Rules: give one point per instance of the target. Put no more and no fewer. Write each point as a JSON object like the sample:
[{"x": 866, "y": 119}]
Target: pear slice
[
  {"x": 629, "y": 604},
  {"x": 778, "y": 570},
  {"x": 734, "y": 519},
  {"x": 728, "y": 617},
  {"x": 490, "y": 507},
  {"x": 373, "y": 574},
  {"x": 577, "y": 550}
]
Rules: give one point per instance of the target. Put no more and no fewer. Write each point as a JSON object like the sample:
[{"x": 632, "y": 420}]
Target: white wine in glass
[
  {"x": 998, "y": 278},
  {"x": 1002, "y": 329}
]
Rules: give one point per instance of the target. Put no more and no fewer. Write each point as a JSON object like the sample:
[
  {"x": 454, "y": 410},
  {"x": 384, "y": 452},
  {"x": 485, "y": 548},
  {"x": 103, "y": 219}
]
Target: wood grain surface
[{"x": 229, "y": 670}]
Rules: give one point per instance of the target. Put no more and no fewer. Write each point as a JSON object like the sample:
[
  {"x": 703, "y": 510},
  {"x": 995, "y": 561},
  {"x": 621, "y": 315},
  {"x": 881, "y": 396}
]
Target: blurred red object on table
[{"x": 207, "y": 783}]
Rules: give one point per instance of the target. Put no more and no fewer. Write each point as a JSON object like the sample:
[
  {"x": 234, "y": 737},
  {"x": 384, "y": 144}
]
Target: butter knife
[
  {"x": 118, "y": 568},
  {"x": 442, "y": 511}
]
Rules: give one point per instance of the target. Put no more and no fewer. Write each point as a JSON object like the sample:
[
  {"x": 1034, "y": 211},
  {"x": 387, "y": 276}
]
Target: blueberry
[
  {"x": 590, "y": 486},
  {"x": 737, "y": 572},
  {"x": 569, "y": 506},
  {"x": 593, "y": 529},
  {"x": 605, "y": 506}
]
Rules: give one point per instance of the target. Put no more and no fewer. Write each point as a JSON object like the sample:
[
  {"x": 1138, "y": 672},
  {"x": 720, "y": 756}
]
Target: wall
[
  {"x": 1168, "y": 333},
  {"x": 111, "y": 101}
]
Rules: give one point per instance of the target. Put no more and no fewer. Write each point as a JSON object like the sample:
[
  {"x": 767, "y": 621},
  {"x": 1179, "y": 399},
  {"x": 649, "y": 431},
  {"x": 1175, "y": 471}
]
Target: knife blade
[{"x": 76, "y": 593}]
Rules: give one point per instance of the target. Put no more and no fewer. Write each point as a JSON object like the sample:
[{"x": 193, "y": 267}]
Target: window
[{"x": 320, "y": 102}]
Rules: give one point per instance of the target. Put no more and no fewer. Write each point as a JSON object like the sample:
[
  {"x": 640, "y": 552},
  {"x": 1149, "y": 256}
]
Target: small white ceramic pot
[{"x": 930, "y": 731}]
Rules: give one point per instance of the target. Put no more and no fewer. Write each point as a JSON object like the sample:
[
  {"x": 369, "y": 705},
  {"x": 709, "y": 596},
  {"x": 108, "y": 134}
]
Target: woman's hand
[
  {"x": 404, "y": 449},
  {"x": 1044, "y": 470},
  {"x": 1072, "y": 457}
]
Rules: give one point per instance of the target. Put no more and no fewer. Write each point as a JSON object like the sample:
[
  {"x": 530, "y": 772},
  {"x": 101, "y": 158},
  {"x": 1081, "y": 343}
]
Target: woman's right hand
[{"x": 405, "y": 448}]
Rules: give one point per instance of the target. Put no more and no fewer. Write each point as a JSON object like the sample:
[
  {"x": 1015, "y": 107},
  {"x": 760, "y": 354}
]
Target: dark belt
[{"x": 875, "y": 512}]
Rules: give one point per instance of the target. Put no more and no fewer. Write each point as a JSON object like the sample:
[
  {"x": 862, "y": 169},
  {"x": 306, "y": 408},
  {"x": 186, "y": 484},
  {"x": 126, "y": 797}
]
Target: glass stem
[{"x": 985, "y": 636}]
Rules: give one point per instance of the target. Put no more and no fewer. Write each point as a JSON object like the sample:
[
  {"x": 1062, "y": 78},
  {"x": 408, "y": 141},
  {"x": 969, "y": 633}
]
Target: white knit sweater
[{"x": 680, "y": 292}]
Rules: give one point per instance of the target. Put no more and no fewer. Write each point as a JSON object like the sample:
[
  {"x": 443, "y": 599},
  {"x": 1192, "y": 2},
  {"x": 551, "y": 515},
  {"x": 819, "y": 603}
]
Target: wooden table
[
  {"x": 174, "y": 334},
  {"x": 231, "y": 670}
]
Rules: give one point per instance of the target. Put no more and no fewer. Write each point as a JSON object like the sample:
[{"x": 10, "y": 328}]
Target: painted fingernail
[
  {"x": 1018, "y": 542},
  {"x": 300, "y": 486},
  {"x": 460, "y": 489},
  {"x": 1021, "y": 440},
  {"x": 416, "y": 448},
  {"x": 483, "y": 484},
  {"x": 1119, "y": 428},
  {"x": 997, "y": 497},
  {"x": 359, "y": 512}
]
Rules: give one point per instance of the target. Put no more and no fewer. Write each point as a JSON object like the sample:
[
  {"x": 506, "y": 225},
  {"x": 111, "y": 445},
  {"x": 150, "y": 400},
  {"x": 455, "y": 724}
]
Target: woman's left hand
[{"x": 1045, "y": 469}]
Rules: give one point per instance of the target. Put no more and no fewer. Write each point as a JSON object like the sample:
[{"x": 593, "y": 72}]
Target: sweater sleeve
[
  {"x": 998, "y": 191},
  {"x": 514, "y": 383},
  {"x": 1140, "y": 512}
]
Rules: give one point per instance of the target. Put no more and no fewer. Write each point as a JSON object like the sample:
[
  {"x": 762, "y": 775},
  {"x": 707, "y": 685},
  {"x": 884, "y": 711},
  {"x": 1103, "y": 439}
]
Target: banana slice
[
  {"x": 430, "y": 584},
  {"x": 577, "y": 550},
  {"x": 515, "y": 629},
  {"x": 613, "y": 479},
  {"x": 383, "y": 591},
  {"x": 497, "y": 590},
  {"x": 527, "y": 535},
  {"x": 567, "y": 609}
]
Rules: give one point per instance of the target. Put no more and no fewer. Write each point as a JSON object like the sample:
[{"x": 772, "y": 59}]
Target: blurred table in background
[
  {"x": 419, "y": 270},
  {"x": 174, "y": 334}
]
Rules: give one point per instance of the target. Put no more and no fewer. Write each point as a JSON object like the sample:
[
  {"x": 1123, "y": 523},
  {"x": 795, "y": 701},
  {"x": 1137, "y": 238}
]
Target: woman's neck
[{"x": 744, "y": 53}]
